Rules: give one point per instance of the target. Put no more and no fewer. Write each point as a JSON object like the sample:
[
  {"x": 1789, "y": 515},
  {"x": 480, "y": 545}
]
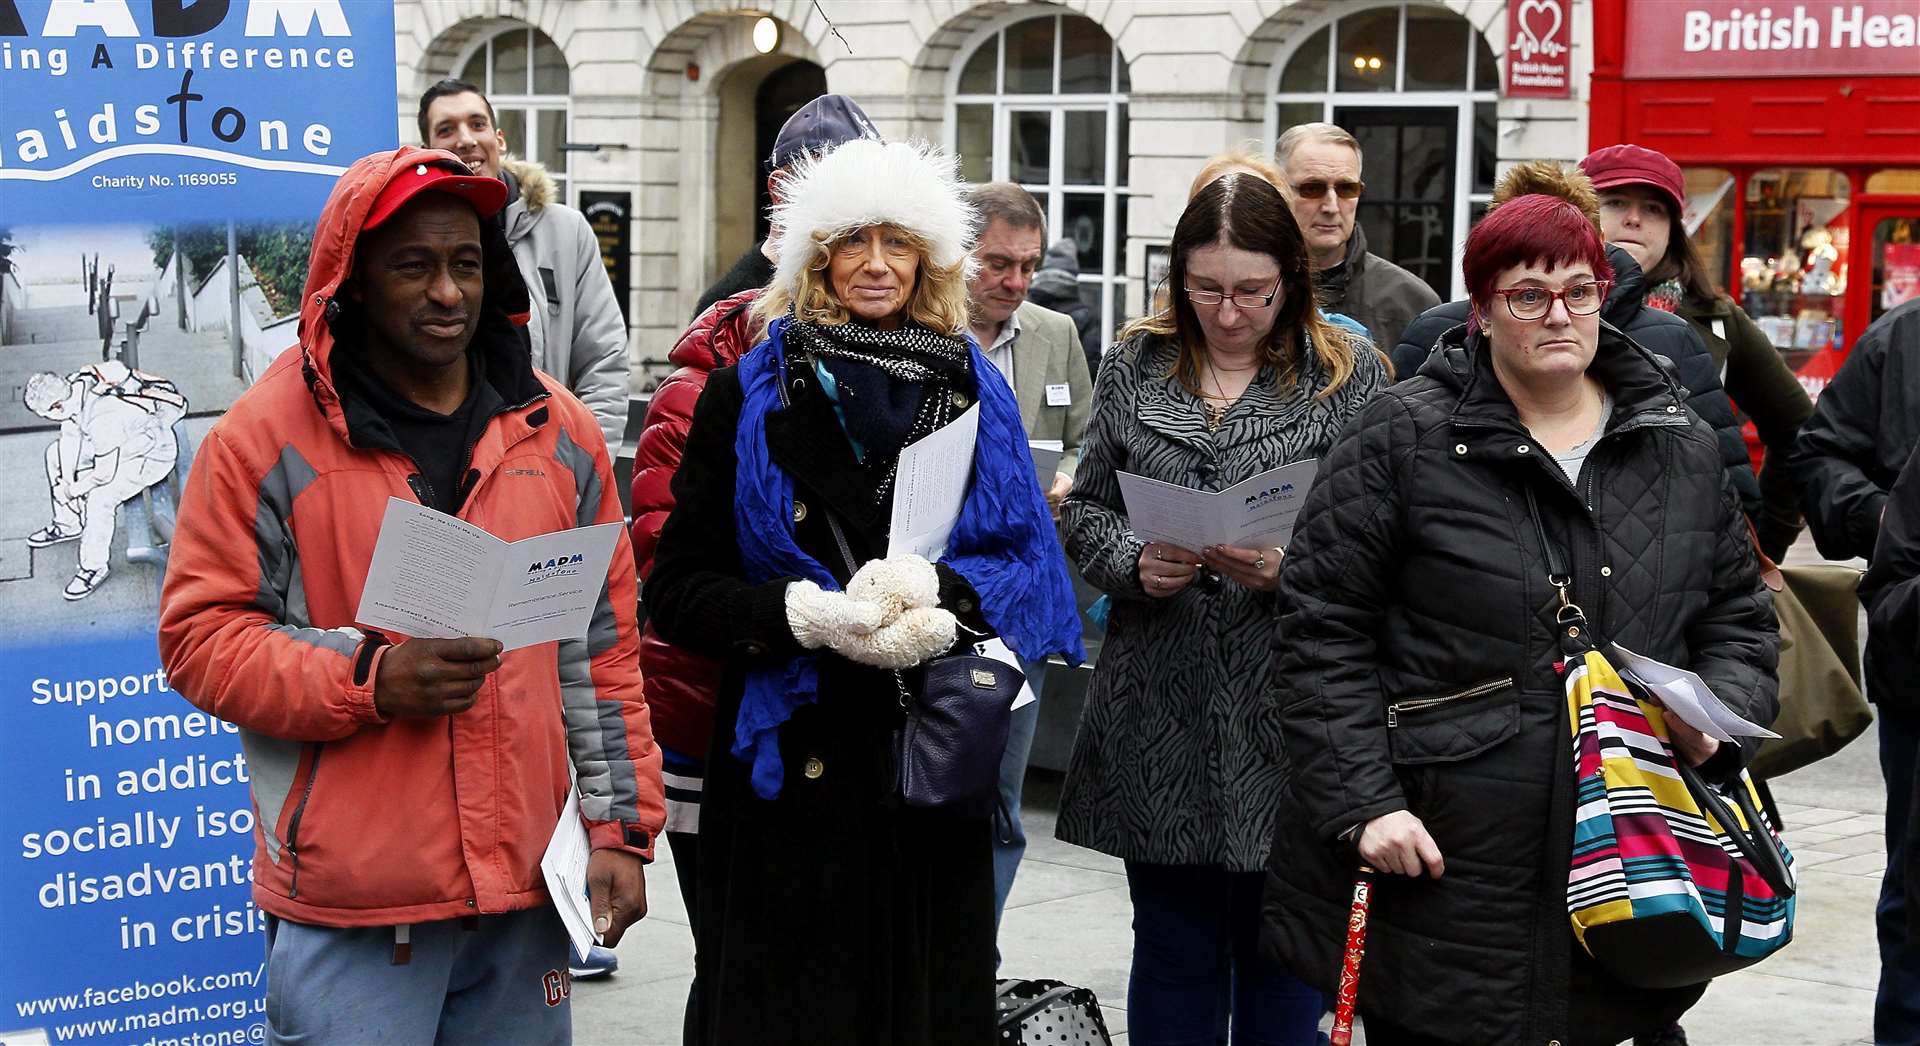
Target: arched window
[
  {"x": 525, "y": 77},
  {"x": 1417, "y": 85},
  {"x": 1043, "y": 102}
]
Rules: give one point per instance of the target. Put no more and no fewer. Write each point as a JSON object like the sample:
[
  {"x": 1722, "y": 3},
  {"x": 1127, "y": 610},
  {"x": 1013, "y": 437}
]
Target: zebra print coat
[{"x": 1178, "y": 757}]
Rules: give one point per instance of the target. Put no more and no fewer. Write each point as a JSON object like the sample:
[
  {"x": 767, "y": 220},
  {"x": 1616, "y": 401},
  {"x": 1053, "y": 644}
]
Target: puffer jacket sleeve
[
  {"x": 609, "y": 730},
  {"x": 1835, "y": 455},
  {"x": 223, "y": 636},
  {"x": 656, "y": 457},
  {"x": 1418, "y": 338},
  {"x": 1767, "y": 390},
  {"x": 597, "y": 365},
  {"x": 1094, "y": 516},
  {"x": 1891, "y": 589},
  {"x": 1335, "y": 585},
  {"x": 1736, "y": 638}
]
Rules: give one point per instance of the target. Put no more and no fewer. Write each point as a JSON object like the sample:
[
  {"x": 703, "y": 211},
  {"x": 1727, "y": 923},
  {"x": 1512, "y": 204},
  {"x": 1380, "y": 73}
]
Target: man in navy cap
[{"x": 819, "y": 126}]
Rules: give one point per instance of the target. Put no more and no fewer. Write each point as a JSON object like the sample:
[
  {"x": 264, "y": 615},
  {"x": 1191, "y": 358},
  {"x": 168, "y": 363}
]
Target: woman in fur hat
[{"x": 829, "y": 912}]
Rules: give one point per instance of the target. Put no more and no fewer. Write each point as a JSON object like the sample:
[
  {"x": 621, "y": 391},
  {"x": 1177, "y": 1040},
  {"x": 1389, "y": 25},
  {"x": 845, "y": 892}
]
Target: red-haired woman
[{"x": 1425, "y": 726}]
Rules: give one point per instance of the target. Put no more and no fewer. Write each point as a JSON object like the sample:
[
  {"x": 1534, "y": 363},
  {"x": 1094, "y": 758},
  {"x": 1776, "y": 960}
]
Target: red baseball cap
[
  {"x": 1633, "y": 165},
  {"x": 434, "y": 171}
]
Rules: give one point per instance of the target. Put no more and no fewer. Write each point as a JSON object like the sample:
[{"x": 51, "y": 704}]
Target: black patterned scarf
[{"x": 893, "y": 387}]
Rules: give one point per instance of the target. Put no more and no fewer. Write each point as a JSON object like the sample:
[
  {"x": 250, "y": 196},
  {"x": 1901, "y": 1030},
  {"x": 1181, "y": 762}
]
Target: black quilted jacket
[
  {"x": 1667, "y": 335},
  {"x": 1416, "y": 573}
]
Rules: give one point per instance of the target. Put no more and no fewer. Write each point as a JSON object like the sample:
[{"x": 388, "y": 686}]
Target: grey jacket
[
  {"x": 1047, "y": 353},
  {"x": 577, "y": 331},
  {"x": 1381, "y": 295},
  {"x": 1178, "y": 757}
]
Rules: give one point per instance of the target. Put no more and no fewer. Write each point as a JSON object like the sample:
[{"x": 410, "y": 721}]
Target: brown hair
[
  {"x": 1682, "y": 262},
  {"x": 1247, "y": 212},
  {"x": 937, "y": 302}
]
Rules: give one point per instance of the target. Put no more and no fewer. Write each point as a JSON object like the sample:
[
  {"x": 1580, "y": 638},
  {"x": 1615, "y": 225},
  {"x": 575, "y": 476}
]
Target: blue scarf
[{"x": 1003, "y": 543}]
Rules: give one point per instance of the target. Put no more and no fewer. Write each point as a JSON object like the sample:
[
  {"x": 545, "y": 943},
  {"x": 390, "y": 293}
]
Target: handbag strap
[{"x": 1571, "y": 619}]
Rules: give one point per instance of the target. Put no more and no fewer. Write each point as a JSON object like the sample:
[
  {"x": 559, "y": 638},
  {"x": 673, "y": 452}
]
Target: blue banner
[
  {"x": 161, "y": 166},
  {"x": 112, "y": 110}
]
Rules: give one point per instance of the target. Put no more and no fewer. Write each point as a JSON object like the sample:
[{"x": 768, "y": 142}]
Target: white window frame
[
  {"x": 527, "y": 104},
  {"x": 1112, "y": 279},
  {"x": 1464, "y": 198}
]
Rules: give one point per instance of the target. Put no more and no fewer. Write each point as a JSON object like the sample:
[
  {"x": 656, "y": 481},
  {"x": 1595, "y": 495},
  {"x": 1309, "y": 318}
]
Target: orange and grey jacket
[{"x": 365, "y": 821}]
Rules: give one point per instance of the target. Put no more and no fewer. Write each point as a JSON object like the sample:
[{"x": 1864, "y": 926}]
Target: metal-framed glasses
[
  {"x": 1240, "y": 301},
  {"x": 1533, "y": 303}
]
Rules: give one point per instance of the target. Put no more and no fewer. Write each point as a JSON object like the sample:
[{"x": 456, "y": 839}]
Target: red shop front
[{"x": 1798, "y": 127}]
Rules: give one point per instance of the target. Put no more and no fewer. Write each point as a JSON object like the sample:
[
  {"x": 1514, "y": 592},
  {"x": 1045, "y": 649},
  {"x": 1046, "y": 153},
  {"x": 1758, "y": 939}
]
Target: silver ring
[
  {"x": 1158, "y": 557},
  {"x": 1259, "y": 562}
]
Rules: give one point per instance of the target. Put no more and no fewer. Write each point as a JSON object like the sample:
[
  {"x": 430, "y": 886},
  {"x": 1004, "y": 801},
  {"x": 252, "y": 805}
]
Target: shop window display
[{"x": 1793, "y": 274}]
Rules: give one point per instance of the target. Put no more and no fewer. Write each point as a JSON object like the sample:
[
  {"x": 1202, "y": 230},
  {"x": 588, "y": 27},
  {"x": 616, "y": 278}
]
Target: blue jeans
[
  {"x": 1197, "y": 966},
  {"x": 1896, "y": 1009},
  {"x": 1010, "y": 839},
  {"x": 500, "y": 978}
]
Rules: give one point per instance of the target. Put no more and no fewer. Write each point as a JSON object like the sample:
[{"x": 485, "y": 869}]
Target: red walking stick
[{"x": 1350, "y": 964}]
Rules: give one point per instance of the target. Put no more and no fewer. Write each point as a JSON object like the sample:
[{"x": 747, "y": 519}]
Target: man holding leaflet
[{"x": 407, "y": 787}]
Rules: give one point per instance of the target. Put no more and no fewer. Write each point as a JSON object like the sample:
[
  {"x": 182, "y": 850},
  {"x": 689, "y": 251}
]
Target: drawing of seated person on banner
[{"x": 116, "y": 440}]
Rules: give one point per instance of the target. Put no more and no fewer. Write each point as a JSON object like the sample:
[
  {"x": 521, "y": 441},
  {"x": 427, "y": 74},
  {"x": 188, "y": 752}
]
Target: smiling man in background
[{"x": 576, "y": 328}]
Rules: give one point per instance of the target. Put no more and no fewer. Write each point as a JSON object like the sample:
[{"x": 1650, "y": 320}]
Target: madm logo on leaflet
[
  {"x": 559, "y": 566},
  {"x": 1263, "y": 496},
  {"x": 73, "y": 69}
]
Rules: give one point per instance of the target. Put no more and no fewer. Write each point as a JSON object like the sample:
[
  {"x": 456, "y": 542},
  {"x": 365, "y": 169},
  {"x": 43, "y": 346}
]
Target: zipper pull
[{"x": 1393, "y": 716}]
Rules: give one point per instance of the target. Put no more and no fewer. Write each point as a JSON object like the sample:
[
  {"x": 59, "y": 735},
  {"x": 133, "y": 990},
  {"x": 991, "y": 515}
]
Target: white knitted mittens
[{"x": 888, "y": 617}]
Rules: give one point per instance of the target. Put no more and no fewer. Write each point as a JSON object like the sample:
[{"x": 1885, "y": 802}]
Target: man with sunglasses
[{"x": 1322, "y": 165}]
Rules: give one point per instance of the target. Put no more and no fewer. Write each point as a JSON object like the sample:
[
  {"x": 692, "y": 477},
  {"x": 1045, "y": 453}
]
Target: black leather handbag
[{"x": 947, "y": 752}]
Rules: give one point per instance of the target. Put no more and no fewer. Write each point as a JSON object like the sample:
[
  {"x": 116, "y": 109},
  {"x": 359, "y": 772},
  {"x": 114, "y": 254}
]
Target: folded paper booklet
[
  {"x": 564, "y": 866},
  {"x": 437, "y": 577},
  {"x": 1688, "y": 697},
  {"x": 930, "y": 485},
  {"x": 1257, "y": 512},
  {"x": 1046, "y": 459}
]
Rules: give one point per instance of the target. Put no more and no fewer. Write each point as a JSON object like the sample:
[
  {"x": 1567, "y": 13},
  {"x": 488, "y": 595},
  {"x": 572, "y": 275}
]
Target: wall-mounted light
[
  {"x": 766, "y": 34},
  {"x": 1366, "y": 65},
  {"x": 1373, "y": 64}
]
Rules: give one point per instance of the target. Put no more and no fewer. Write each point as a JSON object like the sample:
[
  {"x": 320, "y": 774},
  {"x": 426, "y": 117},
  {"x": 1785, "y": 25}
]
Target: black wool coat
[
  {"x": 826, "y": 915},
  {"x": 1416, "y": 572}
]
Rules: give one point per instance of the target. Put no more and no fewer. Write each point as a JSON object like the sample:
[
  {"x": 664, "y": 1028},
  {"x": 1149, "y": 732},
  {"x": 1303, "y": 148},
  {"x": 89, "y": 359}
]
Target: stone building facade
[{"x": 1103, "y": 107}]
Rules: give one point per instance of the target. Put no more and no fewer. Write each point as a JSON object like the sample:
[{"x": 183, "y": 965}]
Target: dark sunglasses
[{"x": 1317, "y": 188}]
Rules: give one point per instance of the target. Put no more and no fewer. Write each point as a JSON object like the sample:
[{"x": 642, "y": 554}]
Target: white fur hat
[{"x": 912, "y": 185}]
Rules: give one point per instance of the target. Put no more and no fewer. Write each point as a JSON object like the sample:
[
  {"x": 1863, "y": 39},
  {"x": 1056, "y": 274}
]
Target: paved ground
[{"x": 1068, "y": 919}]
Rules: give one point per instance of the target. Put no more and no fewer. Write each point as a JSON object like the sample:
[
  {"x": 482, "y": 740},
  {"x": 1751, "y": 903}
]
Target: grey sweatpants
[{"x": 493, "y": 978}]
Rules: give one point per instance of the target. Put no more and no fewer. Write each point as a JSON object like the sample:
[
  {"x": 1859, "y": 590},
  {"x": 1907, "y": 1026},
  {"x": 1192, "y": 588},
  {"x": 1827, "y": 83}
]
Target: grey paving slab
[
  {"x": 1760, "y": 1009},
  {"x": 1041, "y": 881}
]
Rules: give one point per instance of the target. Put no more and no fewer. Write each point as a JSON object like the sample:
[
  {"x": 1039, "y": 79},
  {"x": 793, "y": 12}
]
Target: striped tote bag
[{"x": 1674, "y": 880}]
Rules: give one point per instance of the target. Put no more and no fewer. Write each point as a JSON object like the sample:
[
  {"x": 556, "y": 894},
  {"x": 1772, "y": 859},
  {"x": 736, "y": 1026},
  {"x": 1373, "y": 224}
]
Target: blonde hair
[
  {"x": 1248, "y": 212},
  {"x": 1245, "y": 160},
  {"x": 937, "y": 302}
]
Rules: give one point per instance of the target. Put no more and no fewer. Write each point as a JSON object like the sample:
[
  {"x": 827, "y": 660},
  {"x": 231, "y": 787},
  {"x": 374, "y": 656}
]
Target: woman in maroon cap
[{"x": 1642, "y": 197}]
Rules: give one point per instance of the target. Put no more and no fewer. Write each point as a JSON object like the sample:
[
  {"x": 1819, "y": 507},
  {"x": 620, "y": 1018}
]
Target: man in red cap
[{"x": 407, "y": 788}]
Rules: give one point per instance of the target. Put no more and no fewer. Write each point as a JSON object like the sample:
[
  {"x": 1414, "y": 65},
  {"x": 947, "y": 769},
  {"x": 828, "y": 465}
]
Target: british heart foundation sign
[{"x": 1539, "y": 49}]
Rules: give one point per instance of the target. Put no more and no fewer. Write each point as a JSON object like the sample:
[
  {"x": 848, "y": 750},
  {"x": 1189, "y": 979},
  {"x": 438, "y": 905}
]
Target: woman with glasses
[
  {"x": 1177, "y": 764},
  {"x": 1415, "y": 653},
  {"x": 830, "y": 912}
]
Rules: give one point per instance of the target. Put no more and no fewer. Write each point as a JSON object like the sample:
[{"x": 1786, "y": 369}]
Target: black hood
[
  {"x": 1632, "y": 375},
  {"x": 1629, "y": 293}
]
